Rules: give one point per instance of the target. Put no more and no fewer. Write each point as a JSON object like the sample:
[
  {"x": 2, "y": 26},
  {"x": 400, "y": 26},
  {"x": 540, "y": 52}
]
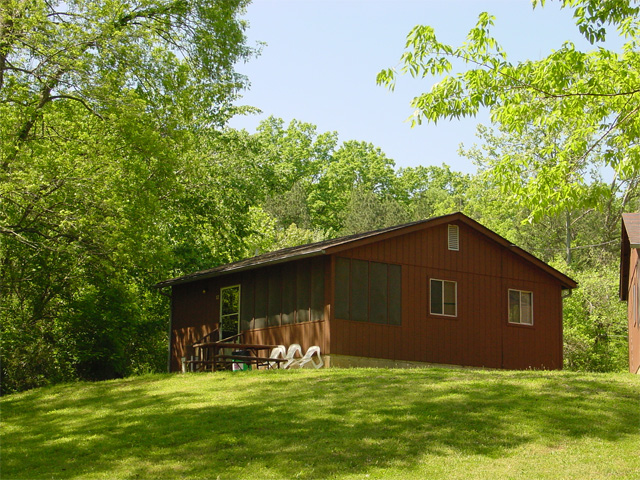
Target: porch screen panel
[
  {"x": 260, "y": 312},
  {"x": 378, "y": 291},
  {"x": 303, "y": 291},
  {"x": 275, "y": 297},
  {"x": 359, "y": 295},
  {"x": 288, "y": 293},
  {"x": 395, "y": 294},
  {"x": 342, "y": 288},
  {"x": 317, "y": 289},
  {"x": 246, "y": 303}
]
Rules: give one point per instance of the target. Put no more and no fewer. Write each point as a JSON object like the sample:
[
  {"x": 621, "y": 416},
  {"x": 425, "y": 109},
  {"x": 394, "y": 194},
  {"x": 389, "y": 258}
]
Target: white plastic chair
[
  {"x": 309, "y": 358},
  {"x": 278, "y": 352},
  {"x": 291, "y": 352}
]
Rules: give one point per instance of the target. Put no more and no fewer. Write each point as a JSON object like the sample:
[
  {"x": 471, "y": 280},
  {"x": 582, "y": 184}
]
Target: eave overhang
[{"x": 334, "y": 246}]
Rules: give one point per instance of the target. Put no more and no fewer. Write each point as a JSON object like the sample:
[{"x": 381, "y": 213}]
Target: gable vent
[{"x": 454, "y": 238}]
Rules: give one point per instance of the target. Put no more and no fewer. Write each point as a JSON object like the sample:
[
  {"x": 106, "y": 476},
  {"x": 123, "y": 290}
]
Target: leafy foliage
[
  {"x": 595, "y": 322},
  {"x": 116, "y": 171},
  {"x": 103, "y": 106},
  {"x": 578, "y": 103},
  {"x": 512, "y": 168}
]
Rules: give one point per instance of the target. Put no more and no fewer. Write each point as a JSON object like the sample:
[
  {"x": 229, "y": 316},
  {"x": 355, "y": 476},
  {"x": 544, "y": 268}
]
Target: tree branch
[
  {"x": 549, "y": 95},
  {"x": 616, "y": 123},
  {"x": 77, "y": 99}
]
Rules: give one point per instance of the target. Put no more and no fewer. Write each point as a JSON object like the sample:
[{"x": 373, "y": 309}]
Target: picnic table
[{"x": 213, "y": 355}]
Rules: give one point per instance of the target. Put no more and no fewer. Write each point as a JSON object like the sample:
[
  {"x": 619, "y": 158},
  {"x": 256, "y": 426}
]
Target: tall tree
[
  {"x": 432, "y": 191},
  {"x": 367, "y": 211},
  {"x": 516, "y": 165},
  {"x": 102, "y": 104},
  {"x": 354, "y": 166},
  {"x": 589, "y": 100}
]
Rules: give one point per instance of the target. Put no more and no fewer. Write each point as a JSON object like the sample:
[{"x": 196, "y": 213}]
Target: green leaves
[
  {"x": 595, "y": 322},
  {"x": 106, "y": 108},
  {"x": 585, "y": 104}
]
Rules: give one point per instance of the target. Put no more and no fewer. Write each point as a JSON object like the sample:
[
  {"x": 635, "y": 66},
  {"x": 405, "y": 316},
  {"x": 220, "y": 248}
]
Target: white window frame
[
  {"x": 455, "y": 284},
  {"x": 520, "y": 292}
]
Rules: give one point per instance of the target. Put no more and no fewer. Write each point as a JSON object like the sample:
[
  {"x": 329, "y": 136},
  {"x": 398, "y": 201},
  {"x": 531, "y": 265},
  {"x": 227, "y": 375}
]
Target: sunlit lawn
[{"x": 346, "y": 424}]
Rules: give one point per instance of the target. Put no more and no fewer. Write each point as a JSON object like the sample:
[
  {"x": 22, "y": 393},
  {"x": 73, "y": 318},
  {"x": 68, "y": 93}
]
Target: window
[
  {"x": 229, "y": 311},
  {"x": 343, "y": 269},
  {"x": 247, "y": 304},
  {"x": 317, "y": 289},
  {"x": 283, "y": 295},
  {"x": 359, "y": 300},
  {"x": 444, "y": 297},
  {"x": 520, "y": 307},
  {"x": 638, "y": 306},
  {"x": 454, "y": 237},
  {"x": 636, "y": 297},
  {"x": 261, "y": 298},
  {"x": 289, "y": 293},
  {"x": 303, "y": 291},
  {"x": 274, "y": 297},
  {"x": 378, "y": 292},
  {"x": 368, "y": 291}
]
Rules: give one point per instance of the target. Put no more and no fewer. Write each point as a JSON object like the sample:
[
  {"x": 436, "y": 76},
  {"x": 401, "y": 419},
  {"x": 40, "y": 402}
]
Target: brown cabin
[
  {"x": 440, "y": 291},
  {"x": 630, "y": 283}
]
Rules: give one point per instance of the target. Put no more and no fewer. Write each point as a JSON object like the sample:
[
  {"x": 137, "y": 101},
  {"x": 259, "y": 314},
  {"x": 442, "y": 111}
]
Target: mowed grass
[{"x": 344, "y": 424}]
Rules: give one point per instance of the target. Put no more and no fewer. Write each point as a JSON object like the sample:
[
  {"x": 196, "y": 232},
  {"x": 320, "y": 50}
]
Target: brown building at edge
[
  {"x": 630, "y": 283},
  {"x": 442, "y": 291}
]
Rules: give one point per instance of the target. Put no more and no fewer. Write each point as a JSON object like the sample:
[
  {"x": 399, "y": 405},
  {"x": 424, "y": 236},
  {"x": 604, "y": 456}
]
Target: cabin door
[{"x": 229, "y": 311}]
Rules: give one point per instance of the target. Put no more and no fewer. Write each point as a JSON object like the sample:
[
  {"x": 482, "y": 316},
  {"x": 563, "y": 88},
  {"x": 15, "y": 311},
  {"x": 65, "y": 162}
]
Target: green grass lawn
[{"x": 346, "y": 424}]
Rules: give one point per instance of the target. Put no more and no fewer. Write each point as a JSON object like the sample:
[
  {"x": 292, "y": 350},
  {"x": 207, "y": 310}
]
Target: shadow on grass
[{"x": 302, "y": 424}]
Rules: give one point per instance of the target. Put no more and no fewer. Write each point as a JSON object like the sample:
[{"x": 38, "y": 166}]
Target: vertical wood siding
[
  {"x": 480, "y": 334},
  {"x": 266, "y": 308},
  {"x": 195, "y": 312}
]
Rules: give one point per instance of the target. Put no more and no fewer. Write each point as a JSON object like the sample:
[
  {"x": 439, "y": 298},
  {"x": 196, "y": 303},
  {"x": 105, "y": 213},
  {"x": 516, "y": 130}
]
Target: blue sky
[{"x": 322, "y": 56}]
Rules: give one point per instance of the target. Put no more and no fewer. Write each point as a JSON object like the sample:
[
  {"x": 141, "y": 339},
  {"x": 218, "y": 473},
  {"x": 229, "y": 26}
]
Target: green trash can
[{"x": 239, "y": 365}]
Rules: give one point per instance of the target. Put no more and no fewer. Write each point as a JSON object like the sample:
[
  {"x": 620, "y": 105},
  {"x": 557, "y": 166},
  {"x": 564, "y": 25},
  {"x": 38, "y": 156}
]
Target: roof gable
[{"x": 337, "y": 245}]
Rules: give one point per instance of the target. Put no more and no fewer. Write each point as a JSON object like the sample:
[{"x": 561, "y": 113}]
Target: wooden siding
[
  {"x": 480, "y": 334},
  {"x": 196, "y": 309},
  {"x": 634, "y": 311},
  {"x": 484, "y": 269},
  {"x": 305, "y": 334},
  {"x": 195, "y": 312}
]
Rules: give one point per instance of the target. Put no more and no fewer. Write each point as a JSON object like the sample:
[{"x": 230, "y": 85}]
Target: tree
[
  {"x": 367, "y": 211},
  {"x": 595, "y": 322},
  {"x": 310, "y": 179},
  {"x": 294, "y": 153},
  {"x": 432, "y": 191},
  {"x": 354, "y": 166},
  {"x": 514, "y": 165},
  {"x": 103, "y": 106},
  {"x": 589, "y": 101},
  {"x": 291, "y": 207}
]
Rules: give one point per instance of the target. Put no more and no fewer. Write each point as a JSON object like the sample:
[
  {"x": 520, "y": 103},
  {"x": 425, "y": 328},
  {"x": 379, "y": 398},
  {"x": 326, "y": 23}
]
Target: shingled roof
[
  {"x": 335, "y": 245},
  {"x": 630, "y": 238},
  {"x": 280, "y": 256}
]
